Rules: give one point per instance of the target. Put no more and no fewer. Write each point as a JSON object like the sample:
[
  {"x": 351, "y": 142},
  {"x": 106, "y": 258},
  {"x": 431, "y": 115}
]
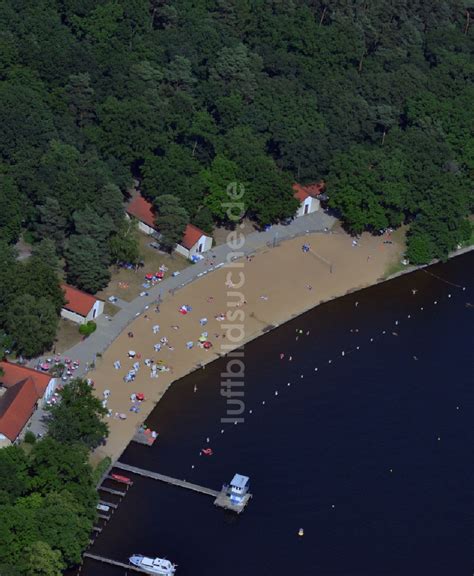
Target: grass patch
[
  {"x": 66, "y": 337},
  {"x": 101, "y": 469},
  {"x": 394, "y": 268},
  {"x": 127, "y": 284}
]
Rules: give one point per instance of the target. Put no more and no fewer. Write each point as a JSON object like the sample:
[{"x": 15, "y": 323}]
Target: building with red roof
[
  {"x": 21, "y": 391},
  {"x": 194, "y": 241},
  {"x": 79, "y": 306},
  {"x": 308, "y": 196}
]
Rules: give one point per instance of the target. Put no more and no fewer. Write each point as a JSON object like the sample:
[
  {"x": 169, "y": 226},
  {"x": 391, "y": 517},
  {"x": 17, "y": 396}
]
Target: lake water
[{"x": 371, "y": 453}]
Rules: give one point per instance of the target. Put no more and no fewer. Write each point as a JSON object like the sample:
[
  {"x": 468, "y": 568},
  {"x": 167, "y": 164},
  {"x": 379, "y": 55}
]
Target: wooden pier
[
  {"x": 221, "y": 497},
  {"x": 109, "y": 504},
  {"x": 167, "y": 479},
  {"x": 112, "y": 491},
  {"x": 113, "y": 562}
]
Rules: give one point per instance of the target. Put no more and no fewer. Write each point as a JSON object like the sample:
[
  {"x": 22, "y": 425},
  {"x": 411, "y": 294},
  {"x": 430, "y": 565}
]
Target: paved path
[{"x": 108, "y": 329}]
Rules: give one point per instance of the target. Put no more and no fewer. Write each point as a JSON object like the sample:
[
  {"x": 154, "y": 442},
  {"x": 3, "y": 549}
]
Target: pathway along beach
[{"x": 279, "y": 283}]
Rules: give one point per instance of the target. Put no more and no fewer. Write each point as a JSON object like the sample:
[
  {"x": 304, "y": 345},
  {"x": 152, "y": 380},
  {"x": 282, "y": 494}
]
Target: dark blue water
[{"x": 371, "y": 453}]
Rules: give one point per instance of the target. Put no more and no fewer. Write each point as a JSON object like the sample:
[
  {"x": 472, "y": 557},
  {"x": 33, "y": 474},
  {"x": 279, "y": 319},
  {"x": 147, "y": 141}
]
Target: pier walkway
[
  {"x": 113, "y": 562},
  {"x": 167, "y": 479}
]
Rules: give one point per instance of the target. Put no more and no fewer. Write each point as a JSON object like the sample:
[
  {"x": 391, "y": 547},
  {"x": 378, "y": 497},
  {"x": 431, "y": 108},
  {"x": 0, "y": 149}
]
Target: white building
[
  {"x": 80, "y": 307},
  {"x": 308, "y": 197},
  {"x": 194, "y": 241}
]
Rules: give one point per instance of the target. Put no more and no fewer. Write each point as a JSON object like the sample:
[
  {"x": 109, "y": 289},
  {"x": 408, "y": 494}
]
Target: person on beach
[{"x": 156, "y": 328}]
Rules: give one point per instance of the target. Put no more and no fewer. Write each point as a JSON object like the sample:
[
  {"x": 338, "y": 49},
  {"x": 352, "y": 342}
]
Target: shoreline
[{"x": 121, "y": 432}]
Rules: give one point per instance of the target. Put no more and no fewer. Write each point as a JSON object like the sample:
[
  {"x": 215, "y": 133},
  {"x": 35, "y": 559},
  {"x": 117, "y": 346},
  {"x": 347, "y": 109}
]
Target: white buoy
[
  {"x": 391, "y": 469},
  {"x": 383, "y": 332},
  {"x": 457, "y": 407},
  {"x": 343, "y": 353},
  {"x": 396, "y": 322},
  {"x": 263, "y": 402},
  {"x": 288, "y": 384},
  {"x": 250, "y": 411},
  {"x": 421, "y": 308},
  {"x": 207, "y": 440},
  {"x": 357, "y": 347},
  {"x": 435, "y": 302},
  {"x": 439, "y": 438},
  {"x": 302, "y": 376},
  {"x": 449, "y": 295},
  {"x": 409, "y": 316},
  {"x": 315, "y": 369},
  {"x": 192, "y": 466},
  {"x": 301, "y": 532},
  {"x": 329, "y": 361},
  {"x": 371, "y": 339},
  {"x": 222, "y": 430},
  {"x": 235, "y": 423},
  {"x": 276, "y": 392},
  {"x": 333, "y": 505}
]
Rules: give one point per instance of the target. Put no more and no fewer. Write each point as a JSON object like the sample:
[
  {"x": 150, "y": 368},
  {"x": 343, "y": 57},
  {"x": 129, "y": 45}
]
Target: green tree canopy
[
  {"x": 171, "y": 220},
  {"x": 78, "y": 417},
  {"x": 85, "y": 265}
]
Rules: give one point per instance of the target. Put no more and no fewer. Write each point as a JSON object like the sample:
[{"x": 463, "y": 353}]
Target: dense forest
[
  {"x": 48, "y": 497},
  {"x": 187, "y": 96}
]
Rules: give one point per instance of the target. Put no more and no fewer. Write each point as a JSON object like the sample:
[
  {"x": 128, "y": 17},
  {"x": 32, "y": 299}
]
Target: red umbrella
[
  {"x": 149, "y": 276},
  {"x": 159, "y": 275},
  {"x": 140, "y": 396}
]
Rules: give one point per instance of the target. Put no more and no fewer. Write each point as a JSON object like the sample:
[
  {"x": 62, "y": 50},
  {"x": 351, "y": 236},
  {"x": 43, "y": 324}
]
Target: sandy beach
[{"x": 278, "y": 283}]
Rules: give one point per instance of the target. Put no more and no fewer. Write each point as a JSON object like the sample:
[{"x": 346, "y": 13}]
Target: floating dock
[
  {"x": 223, "y": 501},
  {"x": 145, "y": 436}
]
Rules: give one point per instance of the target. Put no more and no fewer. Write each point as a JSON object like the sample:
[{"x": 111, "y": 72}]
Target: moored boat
[
  {"x": 121, "y": 479},
  {"x": 159, "y": 566}
]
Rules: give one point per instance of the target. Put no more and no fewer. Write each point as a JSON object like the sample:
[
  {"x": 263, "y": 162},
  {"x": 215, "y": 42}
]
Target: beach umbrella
[
  {"x": 207, "y": 345},
  {"x": 149, "y": 276},
  {"x": 132, "y": 353},
  {"x": 140, "y": 396}
]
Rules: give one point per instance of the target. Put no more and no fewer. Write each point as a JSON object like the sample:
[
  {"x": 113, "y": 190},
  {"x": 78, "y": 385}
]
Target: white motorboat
[{"x": 153, "y": 565}]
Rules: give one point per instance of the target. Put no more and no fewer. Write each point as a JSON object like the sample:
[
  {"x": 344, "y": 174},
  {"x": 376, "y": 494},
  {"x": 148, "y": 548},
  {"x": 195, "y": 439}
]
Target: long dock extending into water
[
  {"x": 113, "y": 562},
  {"x": 167, "y": 479},
  {"x": 221, "y": 497}
]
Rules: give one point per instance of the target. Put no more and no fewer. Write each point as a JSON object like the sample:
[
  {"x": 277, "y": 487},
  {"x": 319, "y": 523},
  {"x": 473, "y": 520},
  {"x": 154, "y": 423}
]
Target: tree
[
  {"x": 32, "y": 323},
  {"x": 77, "y": 418},
  {"x": 171, "y": 220},
  {"x": 124, "y": 245},
  {"x": 217, "y": 178},
  {"x": 13, "y": 473},
  {"x": 45, "y": 252},
  {"x": 40, "y": 280},
  {"x": 64, "y": 527},
  {"x": 85, "y": 268},
  {"x": 42, "y": 560},
  {"x": 55, "y": 467},
  {"x": 89, "y": 224},
  {"x": 11, "y": 205},
  {"x": 80, "y": 97},
  {"x": 51, "y": 223}
]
